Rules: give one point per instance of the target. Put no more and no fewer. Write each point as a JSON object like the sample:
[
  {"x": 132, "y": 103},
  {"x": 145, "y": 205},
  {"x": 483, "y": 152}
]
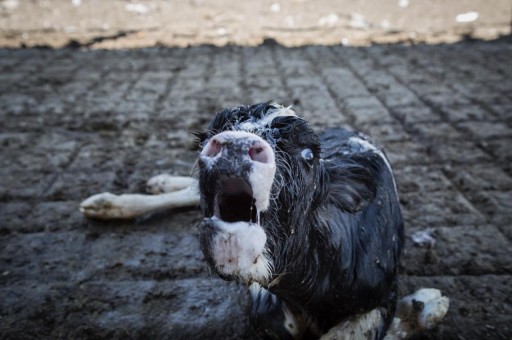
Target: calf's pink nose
[{"x": 246, "y": 143}]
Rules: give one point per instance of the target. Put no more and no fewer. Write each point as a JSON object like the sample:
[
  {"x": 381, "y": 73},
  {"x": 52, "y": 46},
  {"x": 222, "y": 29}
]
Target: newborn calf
[{"x": 312, "y": 223}]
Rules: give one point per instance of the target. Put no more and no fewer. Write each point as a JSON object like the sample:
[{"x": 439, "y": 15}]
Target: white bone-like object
[{"x": 179, "y": 192}]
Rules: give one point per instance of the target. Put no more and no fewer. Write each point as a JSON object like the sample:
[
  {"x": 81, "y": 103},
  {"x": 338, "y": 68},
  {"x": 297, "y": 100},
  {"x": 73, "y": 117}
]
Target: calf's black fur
[{"x": 334, "y": 229}]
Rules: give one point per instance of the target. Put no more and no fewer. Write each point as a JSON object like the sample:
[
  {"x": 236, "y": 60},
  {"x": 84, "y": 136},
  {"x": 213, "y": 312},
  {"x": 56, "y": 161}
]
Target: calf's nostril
[
  {"x": 213, "y": 148},
  {"x": 258, "y": 154}
]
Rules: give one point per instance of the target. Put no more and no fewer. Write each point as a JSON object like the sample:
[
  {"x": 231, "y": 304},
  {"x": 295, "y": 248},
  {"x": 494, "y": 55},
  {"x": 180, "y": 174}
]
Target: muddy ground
[
  {"x": 81, "y": 120},
  {"x": 75, "y": 123}
]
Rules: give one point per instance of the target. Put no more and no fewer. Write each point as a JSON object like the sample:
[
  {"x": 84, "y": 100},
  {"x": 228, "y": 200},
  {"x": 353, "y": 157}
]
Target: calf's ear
[{"x": 351, "y": 187}]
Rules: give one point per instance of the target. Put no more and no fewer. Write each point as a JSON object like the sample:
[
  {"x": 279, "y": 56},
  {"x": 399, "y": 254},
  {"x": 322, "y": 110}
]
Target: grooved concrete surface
[{"x": 78, "y": 122}]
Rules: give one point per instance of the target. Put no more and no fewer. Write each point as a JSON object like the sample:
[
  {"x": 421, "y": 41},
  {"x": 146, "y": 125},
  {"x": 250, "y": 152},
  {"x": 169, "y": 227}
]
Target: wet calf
[{"x": 311, "y": 223}]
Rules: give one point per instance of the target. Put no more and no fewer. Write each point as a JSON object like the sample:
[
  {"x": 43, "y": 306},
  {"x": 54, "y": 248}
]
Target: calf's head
[{"x": 259, "y": 172}]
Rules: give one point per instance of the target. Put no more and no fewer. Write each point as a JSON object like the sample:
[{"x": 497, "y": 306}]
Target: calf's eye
[{"x": 307, "y": 154}]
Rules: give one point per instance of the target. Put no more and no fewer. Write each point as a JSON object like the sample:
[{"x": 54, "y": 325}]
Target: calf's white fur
[{"x": 171, "y": 192}]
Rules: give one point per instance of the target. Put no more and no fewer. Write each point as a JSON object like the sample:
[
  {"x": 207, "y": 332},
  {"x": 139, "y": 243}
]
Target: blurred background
[{"x": 131, "y": 24}]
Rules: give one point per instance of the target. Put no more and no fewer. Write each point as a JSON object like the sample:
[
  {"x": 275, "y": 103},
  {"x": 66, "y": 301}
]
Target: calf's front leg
[
  {"x": 165, "y": 183},
  {"x": 110, "y": 206}
]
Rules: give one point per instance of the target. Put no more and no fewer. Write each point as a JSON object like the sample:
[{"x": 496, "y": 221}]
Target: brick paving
[{"x": 78, "y": 122}]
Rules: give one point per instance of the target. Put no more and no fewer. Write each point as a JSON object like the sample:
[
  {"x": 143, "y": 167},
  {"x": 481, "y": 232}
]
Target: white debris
[
  {"x": 70, "y": 29},
  {"x": 467, "y": 17},
  {"x": 403, "y": 3},
  {"x": 76, "y": 2},
  {"x": 357, "y": 21},
  {"x": 9, "y": 4},
  {"x": 290, "y": 21},
  {"x": 137, "y": 8},
  {"x": 329, "y": 20},
  {"x": 424, "y": 238},
  {"x": 344, "y": 41},
  {"x": 385, "y": 24},
  {"x": 275, "y": 8}
]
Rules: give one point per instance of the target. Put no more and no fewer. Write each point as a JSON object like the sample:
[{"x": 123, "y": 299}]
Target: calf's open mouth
[{"x": 234, "y": 201}]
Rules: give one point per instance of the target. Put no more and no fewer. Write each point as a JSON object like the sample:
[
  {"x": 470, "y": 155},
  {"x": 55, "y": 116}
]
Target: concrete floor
[{"x": 75, "y": 122}]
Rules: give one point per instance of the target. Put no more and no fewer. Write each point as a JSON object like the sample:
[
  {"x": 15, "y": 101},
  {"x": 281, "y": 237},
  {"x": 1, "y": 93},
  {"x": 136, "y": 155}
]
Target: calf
[{"x": 311, "y": 223}]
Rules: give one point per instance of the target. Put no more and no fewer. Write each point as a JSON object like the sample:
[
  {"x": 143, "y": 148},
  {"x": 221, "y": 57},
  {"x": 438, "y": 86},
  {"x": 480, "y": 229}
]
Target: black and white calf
[{"x": 311, "y": 223}]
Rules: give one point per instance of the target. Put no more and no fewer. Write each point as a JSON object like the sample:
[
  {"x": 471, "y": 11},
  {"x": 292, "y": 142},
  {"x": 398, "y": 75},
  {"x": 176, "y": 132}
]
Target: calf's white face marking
[
  {"x": 260, "y": 153},
  {"x": 278, "y": 111},
  {"x": 238, "y": 248}
]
